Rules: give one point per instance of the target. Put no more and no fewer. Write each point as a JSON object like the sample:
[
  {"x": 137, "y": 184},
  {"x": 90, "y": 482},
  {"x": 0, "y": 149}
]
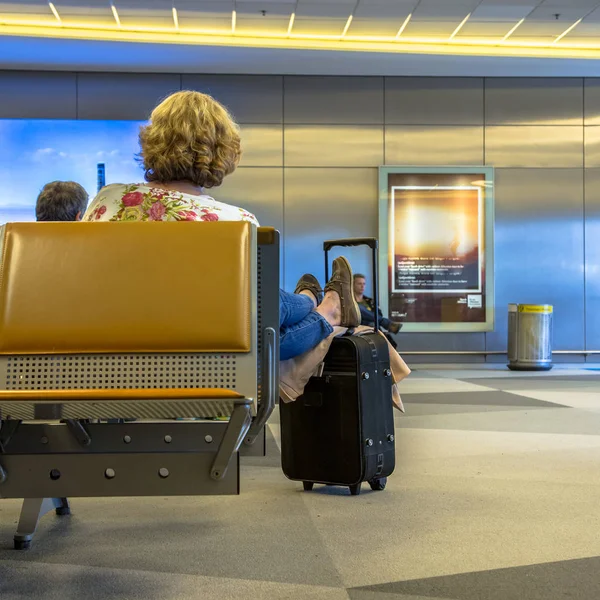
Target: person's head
[
  {"x": 61, "y": 201},
  {"x": 190, "y": 137},
  {"x": 359, "y": 284}
]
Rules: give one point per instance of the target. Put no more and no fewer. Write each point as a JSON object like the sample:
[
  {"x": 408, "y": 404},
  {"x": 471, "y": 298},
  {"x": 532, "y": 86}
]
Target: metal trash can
[{"x": 530, "y": 337}]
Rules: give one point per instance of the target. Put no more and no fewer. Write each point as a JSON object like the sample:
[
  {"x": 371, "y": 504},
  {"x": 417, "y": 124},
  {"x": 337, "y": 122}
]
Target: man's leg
[
  {"x": 384, "y": 323},
  {"x": 366, "y": 316}
]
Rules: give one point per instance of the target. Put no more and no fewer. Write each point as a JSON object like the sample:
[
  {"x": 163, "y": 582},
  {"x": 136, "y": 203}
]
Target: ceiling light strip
[
  {"x": 10, "y": 26},
  {"x": 562, "y": 35},
  {"x": 347, "y": 25},
  {"x": 404, "y": 26},
  {"x": 115, "y": 14},
  {"x": 513, "y": 29},
  {"x": 291, "y": 25},
  {"x": 175, "y": 19},
  {"x": 55, "y": 12},
  {"x": 233, "y": 21},
  {"x": 462, "y": 23}
]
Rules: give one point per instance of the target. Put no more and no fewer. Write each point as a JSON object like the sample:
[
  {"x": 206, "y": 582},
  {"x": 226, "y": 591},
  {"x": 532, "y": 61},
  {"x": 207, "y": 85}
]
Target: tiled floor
[{"x": 496, "y": 496}]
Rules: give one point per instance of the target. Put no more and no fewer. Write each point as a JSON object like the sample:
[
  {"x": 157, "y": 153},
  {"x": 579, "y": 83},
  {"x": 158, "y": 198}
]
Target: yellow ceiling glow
[{"x": 560, "y": 47}]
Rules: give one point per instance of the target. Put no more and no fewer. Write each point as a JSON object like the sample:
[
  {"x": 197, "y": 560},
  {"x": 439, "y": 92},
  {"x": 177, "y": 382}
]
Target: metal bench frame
[{"x": 93, "y": 449}]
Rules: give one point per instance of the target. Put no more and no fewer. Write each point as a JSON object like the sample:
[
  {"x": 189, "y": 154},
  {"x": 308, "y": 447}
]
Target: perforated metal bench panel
[
  {"x": 118, "y": 371},
  {"x": 126, "y": 371}
]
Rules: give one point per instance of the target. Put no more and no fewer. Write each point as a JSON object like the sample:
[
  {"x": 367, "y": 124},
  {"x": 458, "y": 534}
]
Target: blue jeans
[{"x": 300, "y": 327}]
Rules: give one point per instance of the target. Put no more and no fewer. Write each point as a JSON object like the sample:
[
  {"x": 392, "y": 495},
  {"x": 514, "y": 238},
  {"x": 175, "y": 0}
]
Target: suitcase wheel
[
  {"x": 355, "y": 489},
  {"x": 378, "y": 484},
  {"x": 308, "y": 485}
]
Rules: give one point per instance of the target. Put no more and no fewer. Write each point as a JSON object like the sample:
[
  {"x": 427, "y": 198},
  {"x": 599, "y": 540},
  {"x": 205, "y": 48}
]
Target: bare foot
[
  {"x": 331, "y": 309},
  {"x": 310, "y": 295}
]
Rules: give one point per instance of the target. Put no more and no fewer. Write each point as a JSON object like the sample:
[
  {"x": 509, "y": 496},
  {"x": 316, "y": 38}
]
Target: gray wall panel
[
  {"x": 333, "y": 146},
  {"x": 532, "y": 101},
  {"x": 428, "y": 342},
  {"x": 591, "y": 90},
  {"x": 258, "y": 190},
  {"x": 539, "y": 249},
  {"x": 429, "y": 121},
  {"x": 568, "y": 359},
  {"x": 440, "y": 359},
  {"x": 530, "y": 146},
  {"x": 324, "y": 204},
  {"x": 251, "y": 99},
  {"x": 592, "y": 258},
  {"x": 434, "y": 101},
  {"x": 592, "y": 146},
  {"x": 433, "y": 145},
  {"x": 34, "y": 95},
  {"x": 347, "y": 100},
  {"x": 122, "y": 95},
  {"x": 262, "y": 146}
]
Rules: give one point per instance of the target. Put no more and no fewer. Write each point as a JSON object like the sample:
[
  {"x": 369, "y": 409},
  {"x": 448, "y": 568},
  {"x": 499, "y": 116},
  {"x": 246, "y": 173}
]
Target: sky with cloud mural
[{"x": 35, "y": 152}]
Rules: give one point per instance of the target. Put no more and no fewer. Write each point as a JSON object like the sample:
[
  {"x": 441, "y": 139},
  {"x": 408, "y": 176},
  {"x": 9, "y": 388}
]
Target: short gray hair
[{"x": 61, "y": 201}]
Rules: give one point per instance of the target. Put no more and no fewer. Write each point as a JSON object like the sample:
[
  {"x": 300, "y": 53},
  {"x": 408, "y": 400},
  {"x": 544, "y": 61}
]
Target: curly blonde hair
[{"x": 190, "y": 137}]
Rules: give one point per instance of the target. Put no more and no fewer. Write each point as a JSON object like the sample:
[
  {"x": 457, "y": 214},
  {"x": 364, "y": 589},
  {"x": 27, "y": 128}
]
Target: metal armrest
[{"x": 270, "y": 384}]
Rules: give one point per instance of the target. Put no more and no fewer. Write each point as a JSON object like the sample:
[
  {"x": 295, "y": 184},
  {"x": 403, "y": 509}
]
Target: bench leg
[
  {"x": 62, "y": 506},
  {"x": 33, "y": 510},
  {"x": 237, "y": 428}
]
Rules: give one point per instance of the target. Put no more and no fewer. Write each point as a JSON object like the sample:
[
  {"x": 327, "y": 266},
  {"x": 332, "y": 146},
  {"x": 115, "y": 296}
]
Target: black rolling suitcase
[{"x": 341, "y": 430}]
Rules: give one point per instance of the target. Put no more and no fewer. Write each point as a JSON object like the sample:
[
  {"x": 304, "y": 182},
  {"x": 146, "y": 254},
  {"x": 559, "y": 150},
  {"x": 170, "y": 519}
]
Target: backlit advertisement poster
[{"x": 436, "y": 247}]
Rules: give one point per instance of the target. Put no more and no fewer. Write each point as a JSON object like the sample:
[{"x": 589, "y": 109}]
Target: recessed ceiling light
[
  {"x": 562, "y": 35},
  {"x": 115, "y": 14},
  {"x": 404, "y": 25},
  {"x": 459, "y": 27},
  {"x": 55, "y": 12},
  {"x": 347, "y": 25}
]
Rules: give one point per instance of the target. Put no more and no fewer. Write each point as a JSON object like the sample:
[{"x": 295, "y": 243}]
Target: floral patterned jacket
[{"x": 141, "y": 202}]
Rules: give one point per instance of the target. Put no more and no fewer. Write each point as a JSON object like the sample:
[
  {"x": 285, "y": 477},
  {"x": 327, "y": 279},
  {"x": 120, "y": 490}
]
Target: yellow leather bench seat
[
  {"x": 112, "y": 395},
  {"x": 70, "y": 288}
]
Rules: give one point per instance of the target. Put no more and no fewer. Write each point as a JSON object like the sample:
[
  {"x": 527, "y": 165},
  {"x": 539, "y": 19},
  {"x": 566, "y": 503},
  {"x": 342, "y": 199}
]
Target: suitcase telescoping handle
[{"x": 374, "y": 245}]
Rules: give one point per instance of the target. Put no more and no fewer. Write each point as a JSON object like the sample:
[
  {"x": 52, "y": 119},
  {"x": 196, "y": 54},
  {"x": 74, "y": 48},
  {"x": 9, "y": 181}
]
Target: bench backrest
[
  {"x": 130, "y": 305},
  {"x": 125, "y": 287}
]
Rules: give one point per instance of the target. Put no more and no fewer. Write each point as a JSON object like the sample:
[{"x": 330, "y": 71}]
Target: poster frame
[{"x": 384, "y": 211}]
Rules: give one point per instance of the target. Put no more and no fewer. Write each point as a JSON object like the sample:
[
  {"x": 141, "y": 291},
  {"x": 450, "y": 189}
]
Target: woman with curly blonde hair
[{"x": 191, "y": 143}]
